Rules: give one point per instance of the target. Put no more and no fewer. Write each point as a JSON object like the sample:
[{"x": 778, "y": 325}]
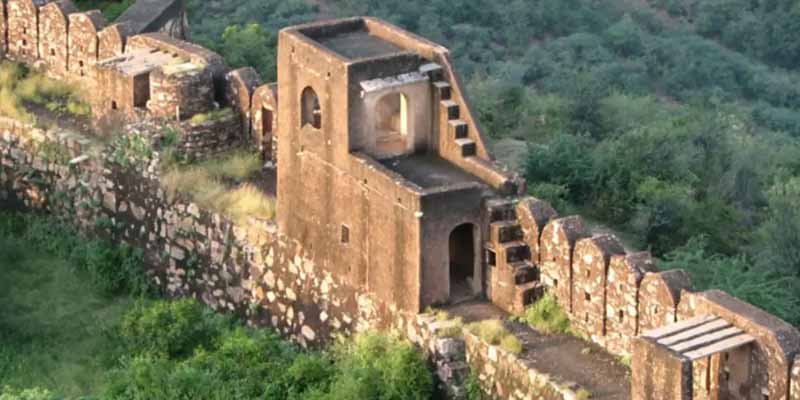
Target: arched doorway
[
  {"x": 391, "y": 123},
  {"x": 462, "y": 262}
]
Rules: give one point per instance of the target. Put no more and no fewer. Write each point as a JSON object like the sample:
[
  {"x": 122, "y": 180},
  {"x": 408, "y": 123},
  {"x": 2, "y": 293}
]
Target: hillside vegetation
[
  {"x": 675, "y": 122},
  {"x": 77, "y": 322}
]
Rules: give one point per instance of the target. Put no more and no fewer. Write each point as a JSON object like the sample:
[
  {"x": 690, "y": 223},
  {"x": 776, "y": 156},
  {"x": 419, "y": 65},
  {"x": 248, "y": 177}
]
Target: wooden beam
[
  {"x": 706, "y": 340},
  {"x": 708, "y": 327},
  {"x": 719, "y": 347},
  {"x": 677, "y": 327}
]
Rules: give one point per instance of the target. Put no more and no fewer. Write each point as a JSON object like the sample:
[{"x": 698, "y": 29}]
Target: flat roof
[
  {"x": 358, "y": 44},
  {"x": 428, "y": 171},
  {"x": 140, "y": 61}
]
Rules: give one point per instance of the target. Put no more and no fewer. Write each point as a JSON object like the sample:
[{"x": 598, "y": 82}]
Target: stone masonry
[{"x": 388, "y": 202}]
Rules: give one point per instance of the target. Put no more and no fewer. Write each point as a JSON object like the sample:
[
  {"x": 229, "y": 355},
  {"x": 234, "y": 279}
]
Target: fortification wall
[
  {"x": 250, "y": 269},
  {"x": 612, "y": 297}
]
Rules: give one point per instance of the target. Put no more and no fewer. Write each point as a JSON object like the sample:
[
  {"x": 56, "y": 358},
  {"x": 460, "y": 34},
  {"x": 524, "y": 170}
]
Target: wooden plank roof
[{"x": 700, "y": 337}]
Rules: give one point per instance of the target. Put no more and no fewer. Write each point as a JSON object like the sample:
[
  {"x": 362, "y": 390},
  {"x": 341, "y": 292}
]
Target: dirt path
[{"x": 562, "y": 356}]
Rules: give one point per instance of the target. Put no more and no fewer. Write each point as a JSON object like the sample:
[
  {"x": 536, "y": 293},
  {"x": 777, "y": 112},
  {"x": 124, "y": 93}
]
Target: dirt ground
[{"x": 562, "y": 356}]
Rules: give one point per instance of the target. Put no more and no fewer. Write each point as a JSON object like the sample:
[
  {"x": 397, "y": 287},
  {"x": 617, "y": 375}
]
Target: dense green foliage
[
  {"x": 637, "y": 121},
  {"x": 675, "y": 122},
  {"x": 245, "y": 32},
  {"x": 110, "y": 8},
  {"x": 767, "y": 29},
  {"x": 69, "y": 325}
]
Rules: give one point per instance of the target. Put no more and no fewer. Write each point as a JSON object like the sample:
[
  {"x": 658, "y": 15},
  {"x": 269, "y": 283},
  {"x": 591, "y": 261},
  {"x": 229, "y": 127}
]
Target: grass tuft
[
  {"x": 493, "y": 332},
  {"x": 546, "y": 316}
]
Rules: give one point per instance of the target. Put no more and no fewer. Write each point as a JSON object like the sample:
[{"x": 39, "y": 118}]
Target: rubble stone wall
[
  {"x": 202, "y": 141},
  {"x": 250, "y": 269}
]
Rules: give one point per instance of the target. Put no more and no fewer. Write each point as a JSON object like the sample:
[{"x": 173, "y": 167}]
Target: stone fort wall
[
  {"x": 611, "y": 296},
  {"x": 248, "y": 268}
]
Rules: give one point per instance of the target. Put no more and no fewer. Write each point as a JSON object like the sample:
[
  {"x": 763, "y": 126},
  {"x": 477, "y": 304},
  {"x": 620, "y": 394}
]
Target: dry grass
[
  {"x": 237, "y": 165},
  {"x": 493, "y": 332},
  {"x": 19, "y": 86},
  {"x": 211, "y": 116},
  {"x": 204, "y": 184}
]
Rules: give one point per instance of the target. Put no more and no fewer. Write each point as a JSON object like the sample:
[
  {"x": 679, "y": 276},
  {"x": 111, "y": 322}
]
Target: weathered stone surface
[
  {"x": 533, "y": 215},
  {"x": 83, "y": 43},
  {"x": 589, "y": 272},
  {"x": 625, "y": 274},
  {"x": 659, "y": 295},
  {"x": 53, "y": 25},
  {"x": 768, "y": 362},
  {"x": 659, "y": 374},
  {"x": 557, "y": 245}
]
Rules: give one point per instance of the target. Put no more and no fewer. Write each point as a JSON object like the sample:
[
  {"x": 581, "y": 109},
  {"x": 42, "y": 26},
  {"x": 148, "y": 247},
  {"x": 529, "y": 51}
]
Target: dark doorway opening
[
  {"x": 462, "y": 263},
  {"x": 266, "y": 132}
]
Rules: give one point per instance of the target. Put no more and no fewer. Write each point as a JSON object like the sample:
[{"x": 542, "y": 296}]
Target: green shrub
[
  {"x": 171, "y": 329},
  {"x": 547, "y": 316},
  {"x": 375, "y": 366},
  {"x": 8, "y": 393}
]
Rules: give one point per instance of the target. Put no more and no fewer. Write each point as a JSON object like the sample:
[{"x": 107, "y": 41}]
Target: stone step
[
  {"x": 467, "y": 146},
  {"x": 459, "y": 129},
  {"x": 501, "y": 210},
  {"x": 505, "y": 231},
  {"x": 433, "y": 71},
  {"x": 512, "y": 252},
  {"x": 451, "y": 109},
  {"x": 525, "y": 272},
  {"x": 444, "y": 89},
  {"x": 527, "y": 294}
]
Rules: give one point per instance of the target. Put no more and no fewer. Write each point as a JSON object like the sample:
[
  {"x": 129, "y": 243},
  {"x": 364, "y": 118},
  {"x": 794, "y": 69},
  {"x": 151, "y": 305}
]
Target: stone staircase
[
  {"x": 457, "y": 130},
  {"x": 513, "y": 275}
]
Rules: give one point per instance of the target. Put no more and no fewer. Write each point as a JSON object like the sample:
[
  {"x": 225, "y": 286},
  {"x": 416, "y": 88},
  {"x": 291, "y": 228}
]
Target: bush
[
  {"x": 547, "y": 316},
  {"x": 374, "y": 366},
  {"x": 769, "y": 289},
  {"x": 171, "y": 329},
  {"x": 8, "y": 393}
]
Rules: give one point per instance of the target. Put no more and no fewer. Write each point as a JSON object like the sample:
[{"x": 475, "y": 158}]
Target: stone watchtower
[{"x": 383, "y": 174}]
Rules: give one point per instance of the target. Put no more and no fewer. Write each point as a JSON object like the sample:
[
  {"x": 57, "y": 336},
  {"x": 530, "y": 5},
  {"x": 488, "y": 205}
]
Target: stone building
[
  {"x": 54, "y": 25},
  {"x": 157, "y": 76},
  {"x": 373, "y": 118}
]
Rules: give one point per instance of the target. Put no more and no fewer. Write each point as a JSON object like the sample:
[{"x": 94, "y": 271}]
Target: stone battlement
[{"x": 389, "y": 202}]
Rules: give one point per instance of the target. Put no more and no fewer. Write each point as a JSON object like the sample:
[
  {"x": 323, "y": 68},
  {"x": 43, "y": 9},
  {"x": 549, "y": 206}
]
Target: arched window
[{"x": 310, "y": 109}]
